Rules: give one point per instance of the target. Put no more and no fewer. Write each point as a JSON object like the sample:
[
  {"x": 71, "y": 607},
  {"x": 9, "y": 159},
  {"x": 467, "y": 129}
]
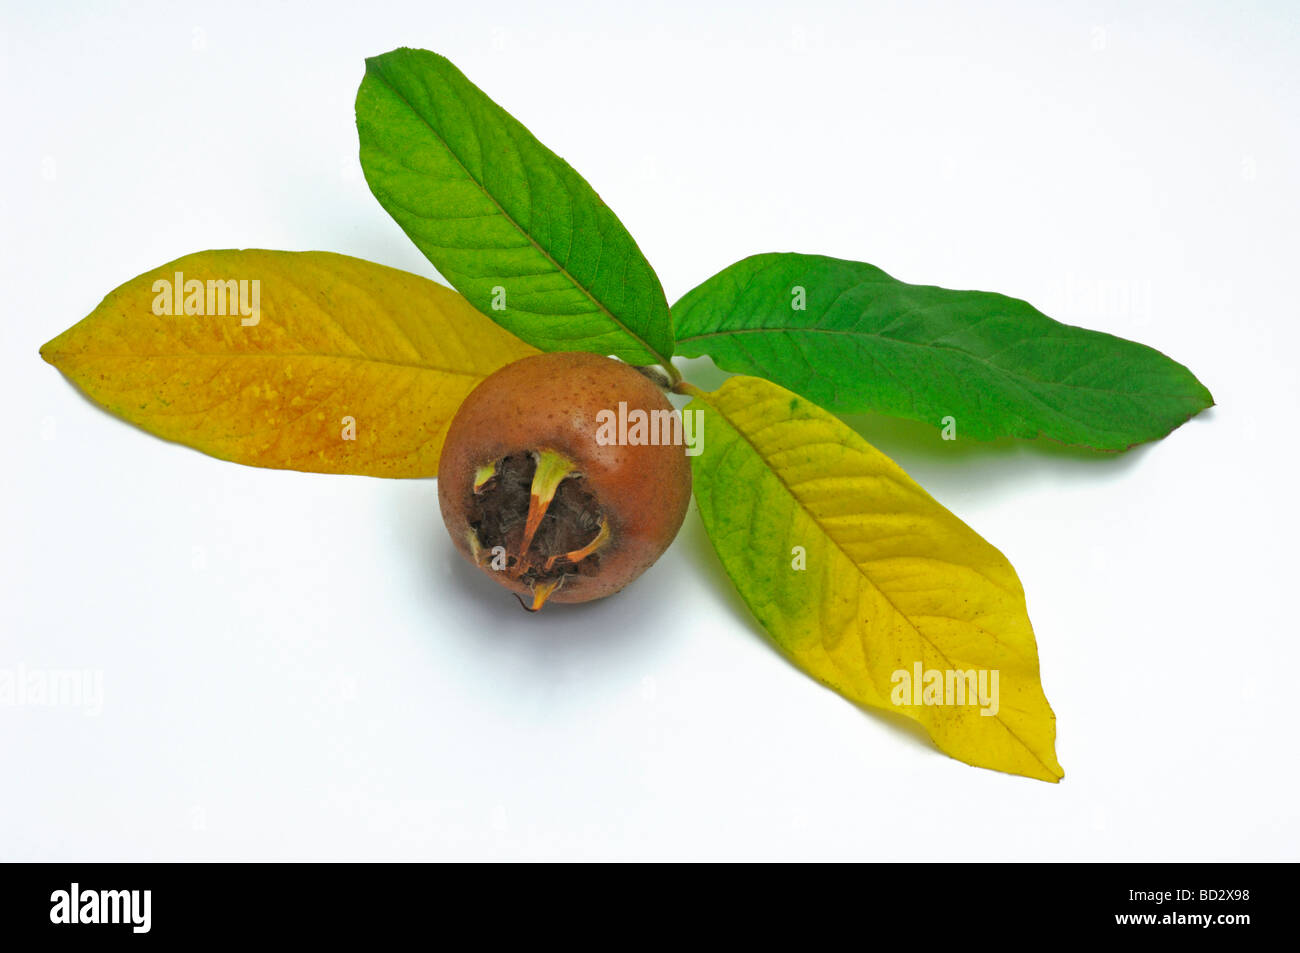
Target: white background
[{"x": 297, "y": 666}]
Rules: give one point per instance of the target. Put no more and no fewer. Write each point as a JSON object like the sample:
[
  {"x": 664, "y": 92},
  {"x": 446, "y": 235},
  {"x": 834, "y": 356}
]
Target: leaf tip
[{"x": 49, "y": 353}]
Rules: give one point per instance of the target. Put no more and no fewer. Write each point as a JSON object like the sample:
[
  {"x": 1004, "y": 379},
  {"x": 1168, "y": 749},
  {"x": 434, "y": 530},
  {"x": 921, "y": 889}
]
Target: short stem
[
  {"x": 689, "y": 389},
  {"x": 674, "y": 375}
]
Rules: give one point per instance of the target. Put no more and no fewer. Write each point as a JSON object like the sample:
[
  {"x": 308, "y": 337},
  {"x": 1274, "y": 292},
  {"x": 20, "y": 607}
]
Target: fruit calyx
[{"x": 531, "y": 516}]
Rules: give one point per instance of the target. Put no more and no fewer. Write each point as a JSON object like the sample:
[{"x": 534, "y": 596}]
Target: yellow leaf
[
  {"x": 864, "y": 581},
  {"x": 294, "y": 360}
]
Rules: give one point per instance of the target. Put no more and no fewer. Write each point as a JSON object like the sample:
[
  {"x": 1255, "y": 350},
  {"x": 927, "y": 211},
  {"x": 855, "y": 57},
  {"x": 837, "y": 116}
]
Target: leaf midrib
[
  {"x": 1013, "y": 375},
  {"x": 57, "y": 356}
]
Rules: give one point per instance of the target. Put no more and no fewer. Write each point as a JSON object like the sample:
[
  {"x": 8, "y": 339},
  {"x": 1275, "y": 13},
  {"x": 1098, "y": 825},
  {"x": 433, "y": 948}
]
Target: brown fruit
[{"x": 535, "y": 500}]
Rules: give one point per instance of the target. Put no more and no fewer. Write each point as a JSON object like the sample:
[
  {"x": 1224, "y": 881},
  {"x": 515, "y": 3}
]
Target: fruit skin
[{"x": 551, "y": 402}]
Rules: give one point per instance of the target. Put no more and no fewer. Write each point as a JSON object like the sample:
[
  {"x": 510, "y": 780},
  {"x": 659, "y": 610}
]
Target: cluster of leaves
[{"x": 886, "y": 578}]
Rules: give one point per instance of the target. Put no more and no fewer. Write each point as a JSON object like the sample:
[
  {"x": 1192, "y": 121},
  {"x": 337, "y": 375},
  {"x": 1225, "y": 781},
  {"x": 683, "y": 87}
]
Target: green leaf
[
  {"x": 868, "y": 342},
  {"x": 506, "y": 221},
  {"x": 865, "y": 582}
]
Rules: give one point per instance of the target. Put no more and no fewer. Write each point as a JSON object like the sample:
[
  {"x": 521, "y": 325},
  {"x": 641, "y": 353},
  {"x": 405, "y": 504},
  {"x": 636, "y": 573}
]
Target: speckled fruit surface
[{"x": 614, "y": 511}]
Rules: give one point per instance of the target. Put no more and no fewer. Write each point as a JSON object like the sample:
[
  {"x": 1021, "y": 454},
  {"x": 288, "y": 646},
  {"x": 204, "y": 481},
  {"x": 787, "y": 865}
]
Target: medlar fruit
[{"x": 536, "y": 493}]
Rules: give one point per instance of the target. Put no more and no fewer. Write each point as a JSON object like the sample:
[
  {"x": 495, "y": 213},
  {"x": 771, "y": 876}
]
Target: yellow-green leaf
[
  {"x": 309, "y": 361},
  {"x": 858, "y": 575}
]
